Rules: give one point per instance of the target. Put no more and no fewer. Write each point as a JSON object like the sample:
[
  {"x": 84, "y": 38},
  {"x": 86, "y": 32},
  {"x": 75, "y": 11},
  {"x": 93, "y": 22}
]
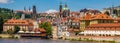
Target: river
[{"x": 40, "y": 41}]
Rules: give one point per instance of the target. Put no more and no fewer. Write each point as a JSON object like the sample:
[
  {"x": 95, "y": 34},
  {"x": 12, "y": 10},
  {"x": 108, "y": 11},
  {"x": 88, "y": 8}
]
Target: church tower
[
  {"x": 66, "y": 11},
  {"x": 34, "y": 12},
  {"x": 60, "y": 9}
]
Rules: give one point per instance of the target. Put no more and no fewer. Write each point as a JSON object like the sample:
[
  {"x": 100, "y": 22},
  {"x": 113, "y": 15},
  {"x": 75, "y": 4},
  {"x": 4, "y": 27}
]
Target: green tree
[
  {"x": 77, "y": 32},
  {"x": 107, "y": 13},
  {"x": 17, "y": 16},
  {"x": 1, "y": 24},
  {"x": 16, "y": 29},
  {"x": 6, "y": 13},
  {"x": 47, "y": 27},
  {"x": 115, "y": 12},
  {"x": 119, "y": 13},
  {"x": 24, "y": 30},
  {"x": 10, "y": 31}
]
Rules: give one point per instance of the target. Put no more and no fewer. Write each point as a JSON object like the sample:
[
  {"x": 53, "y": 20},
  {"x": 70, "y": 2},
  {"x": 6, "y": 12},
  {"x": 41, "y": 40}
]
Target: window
[
  {"x": 23, "y": 22},
  {"x": 102, "y": 17}
]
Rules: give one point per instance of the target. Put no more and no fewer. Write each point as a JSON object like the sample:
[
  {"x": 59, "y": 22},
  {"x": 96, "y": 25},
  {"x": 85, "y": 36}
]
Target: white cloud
[
  {"x": 6, "y": 1},
  {"x": 51, "y": 11}
]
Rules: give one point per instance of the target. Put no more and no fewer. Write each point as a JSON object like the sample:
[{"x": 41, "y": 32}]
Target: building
[
  {"x": 84, "y": 12},
  {"x": 102, "y": 29},
  {"x": 57, "y": 29},
  {"x": 34, "y": 15},
  {"x": 25, "y": 25},
  {"x": 112, "y": 11},
  {"x": 37, "y": 32},
  {"x": 27, "y": 13},
  {"x": 102, "y": 26},
  {"x": 94, "y": 19},
  {"x": 60, "y": 9},
  {"x": 65, "y": 11}
]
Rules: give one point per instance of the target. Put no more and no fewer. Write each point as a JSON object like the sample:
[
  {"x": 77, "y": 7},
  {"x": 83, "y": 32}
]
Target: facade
[
  {"x": 106, "y": 28},
  {"x": 56, "y": 28},
  {"x": 94, "y": 19},
  {"x": 55, "y": 32},
  {"x": 101, "y": 18},
  {"x": 37, "y": 32},
  {"x": 25, "y": 25},
  {"x": 102, "y": 29}
]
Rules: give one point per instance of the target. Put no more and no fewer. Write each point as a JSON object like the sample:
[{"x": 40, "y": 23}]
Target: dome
[{"x": 65, "y": 8}]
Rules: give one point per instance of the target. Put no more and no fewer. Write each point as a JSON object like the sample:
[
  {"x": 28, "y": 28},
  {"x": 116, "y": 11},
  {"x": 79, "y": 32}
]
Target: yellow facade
[{"x": 22, "y": 24}]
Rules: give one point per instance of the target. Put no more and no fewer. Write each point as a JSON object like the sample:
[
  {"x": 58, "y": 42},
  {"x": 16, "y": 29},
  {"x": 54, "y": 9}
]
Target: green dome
[{"x": 65, "y": 8}]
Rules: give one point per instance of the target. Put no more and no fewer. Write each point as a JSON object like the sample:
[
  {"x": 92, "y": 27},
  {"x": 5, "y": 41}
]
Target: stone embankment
[
  {"x": 93, "y": 38},
  {"x": 9, "y": 36}
]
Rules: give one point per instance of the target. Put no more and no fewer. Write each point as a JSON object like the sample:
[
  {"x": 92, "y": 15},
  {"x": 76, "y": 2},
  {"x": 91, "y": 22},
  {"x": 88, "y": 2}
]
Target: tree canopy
[
  {"x": 1, "y": 24},
  {"x": 16, "y": 29},
  {"x": 107, "y": 13},
  {"x": 47, "y": 26}
]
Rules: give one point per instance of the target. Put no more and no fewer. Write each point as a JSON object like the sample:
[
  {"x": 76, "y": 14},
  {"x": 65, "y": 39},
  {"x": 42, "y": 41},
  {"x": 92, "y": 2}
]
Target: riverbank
[
  {"x": 4, "y": 36},
  {"x": 72, "y": 38},
  {"x": 94, "y": 39}
]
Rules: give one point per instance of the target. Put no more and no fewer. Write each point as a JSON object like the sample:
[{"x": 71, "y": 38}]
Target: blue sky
[{"x": 44, "y": 5}]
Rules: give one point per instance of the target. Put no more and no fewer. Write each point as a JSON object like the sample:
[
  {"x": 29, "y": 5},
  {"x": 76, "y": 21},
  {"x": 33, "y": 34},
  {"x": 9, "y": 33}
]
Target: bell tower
[{"x": 34, "y": 12}]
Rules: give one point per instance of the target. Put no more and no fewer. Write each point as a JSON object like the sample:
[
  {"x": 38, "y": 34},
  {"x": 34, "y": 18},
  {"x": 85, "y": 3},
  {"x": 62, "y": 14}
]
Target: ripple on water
[{"x": 40, "y": 41}]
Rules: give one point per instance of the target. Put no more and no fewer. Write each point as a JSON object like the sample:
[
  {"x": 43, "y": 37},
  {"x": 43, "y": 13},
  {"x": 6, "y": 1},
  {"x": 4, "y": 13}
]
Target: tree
[
  {"x": 16, "y": 29},
  {"x": 107, "y": 13},
  {"x": 1, "y": 24},
  {"x": 10, "y": 31},
  {"x": 115, "y": 12},
  {"x": 119, "y": 13},
  {"x": 77, "y": 32},
  {"x": 24, "y": 30},
  {"x": 47, "y": 27},
  {"x": 6, "y": 13}
]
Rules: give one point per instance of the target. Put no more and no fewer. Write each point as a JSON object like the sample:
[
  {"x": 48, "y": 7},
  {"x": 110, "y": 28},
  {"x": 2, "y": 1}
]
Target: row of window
[
  {"x": 15, "y": 22},
  {"x": 104, "y": 28}
]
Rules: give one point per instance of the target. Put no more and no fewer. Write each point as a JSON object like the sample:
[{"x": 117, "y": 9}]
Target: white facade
[
  {"x": 35, "y": 24},
  {"x": 101, "y": 32}
]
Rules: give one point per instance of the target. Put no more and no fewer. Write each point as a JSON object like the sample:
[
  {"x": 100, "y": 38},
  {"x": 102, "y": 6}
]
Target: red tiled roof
[
  {"x": 18, "y": 22},
  {"x": 104, "y": 26},
  {"x": 39, "y": 30},
  {"x": 87, "y": 17},
  {"x": 101, "y": 16},
  {"x": 64, "y": 19},
  {"x": 96, "y": 16},
  {"x": 76, "y": 20}
]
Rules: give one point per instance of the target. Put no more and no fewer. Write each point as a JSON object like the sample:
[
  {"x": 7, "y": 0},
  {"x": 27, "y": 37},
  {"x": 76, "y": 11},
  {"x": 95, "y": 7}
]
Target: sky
[{"x": 45, "y": 5}]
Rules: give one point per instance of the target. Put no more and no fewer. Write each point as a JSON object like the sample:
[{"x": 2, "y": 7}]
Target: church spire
[
  {"x": 66, "y": 5},
  {"x": 29, "y": 9},
  {"x": 60, "y": 7},
  {"x": 24, "y": 8}
]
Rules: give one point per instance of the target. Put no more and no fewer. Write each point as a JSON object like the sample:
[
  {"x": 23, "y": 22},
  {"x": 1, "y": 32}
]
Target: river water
[{"x": 40, "y": 41}]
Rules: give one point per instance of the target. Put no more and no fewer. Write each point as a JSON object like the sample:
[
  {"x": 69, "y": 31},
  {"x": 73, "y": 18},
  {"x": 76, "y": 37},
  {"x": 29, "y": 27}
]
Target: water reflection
[{"x": 40, "y": 41}]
